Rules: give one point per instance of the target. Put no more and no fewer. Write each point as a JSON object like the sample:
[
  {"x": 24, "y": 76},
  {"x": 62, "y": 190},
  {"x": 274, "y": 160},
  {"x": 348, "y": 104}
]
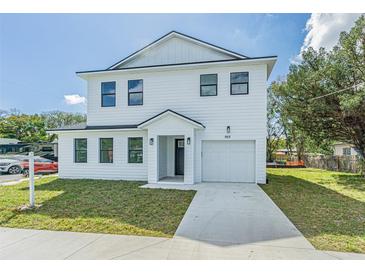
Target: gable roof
[
  {"x": 229, "y": 55},
  {"x": 170, "y": 112}
]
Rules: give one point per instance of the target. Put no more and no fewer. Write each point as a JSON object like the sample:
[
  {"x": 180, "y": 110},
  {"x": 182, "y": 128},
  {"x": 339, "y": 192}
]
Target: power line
[{"x": 338, "y": 91}]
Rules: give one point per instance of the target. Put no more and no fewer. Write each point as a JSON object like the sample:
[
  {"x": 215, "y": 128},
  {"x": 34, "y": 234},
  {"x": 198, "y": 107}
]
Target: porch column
[
  {"x": 189, "y": 157},
  {"x": 152, "y": 158}
]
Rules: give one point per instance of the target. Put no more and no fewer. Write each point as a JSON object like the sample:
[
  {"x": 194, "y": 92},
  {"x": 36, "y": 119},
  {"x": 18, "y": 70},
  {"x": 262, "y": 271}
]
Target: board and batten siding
[
  {"x": 179, "y": 90},
  {"x": 176, "y": 50},
  {"x": 120, "y": 169}
]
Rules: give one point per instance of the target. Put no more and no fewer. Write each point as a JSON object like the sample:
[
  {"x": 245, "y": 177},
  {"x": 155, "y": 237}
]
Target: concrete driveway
[
  {"x": 224, "y": 221},
  {"x": 236, "y": 214}
]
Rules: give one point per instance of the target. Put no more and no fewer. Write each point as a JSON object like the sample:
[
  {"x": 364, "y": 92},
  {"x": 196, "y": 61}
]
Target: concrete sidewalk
[{"x": 43, "y": 244}]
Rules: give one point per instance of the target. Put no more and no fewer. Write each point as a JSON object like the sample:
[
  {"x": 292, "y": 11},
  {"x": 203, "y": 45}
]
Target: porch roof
[{"x": 173, "y": 113}]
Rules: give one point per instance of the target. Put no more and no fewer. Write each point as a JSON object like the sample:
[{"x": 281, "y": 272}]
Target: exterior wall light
[
  {"x": 188, "y": 140},
  {"x": 151, "y": 141},
  {"x": 228, "y": 129}
]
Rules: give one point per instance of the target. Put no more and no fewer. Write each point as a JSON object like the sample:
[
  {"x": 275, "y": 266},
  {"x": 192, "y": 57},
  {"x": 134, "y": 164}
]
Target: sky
[{"x": 40, "y": 53}]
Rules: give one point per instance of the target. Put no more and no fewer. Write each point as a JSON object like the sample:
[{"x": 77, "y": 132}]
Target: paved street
[{"x": 5, "y": 178}]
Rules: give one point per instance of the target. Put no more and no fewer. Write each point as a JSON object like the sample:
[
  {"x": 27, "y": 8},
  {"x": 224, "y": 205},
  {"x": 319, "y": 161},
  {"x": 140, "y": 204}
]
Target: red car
[{"x": 41, "y": 165}]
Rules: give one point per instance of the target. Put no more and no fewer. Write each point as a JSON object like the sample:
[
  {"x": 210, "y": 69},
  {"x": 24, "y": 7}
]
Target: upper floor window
[
  {"x": 135, "y": 92},
  {"x": 346, "y": 151},
  {"x": 208, "y": 84},
  {"x": 106, "y": 150},
  {"x": 80, "y": 150},
  {"x": 108, "y": 94},
  {"x": 135, "y": 150},
  {"x": 239, "y": 83}
]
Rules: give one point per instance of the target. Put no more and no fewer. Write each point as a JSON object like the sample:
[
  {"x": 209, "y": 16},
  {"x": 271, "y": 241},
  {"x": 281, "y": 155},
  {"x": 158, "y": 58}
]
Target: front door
[{"x": 179, "y": 157}]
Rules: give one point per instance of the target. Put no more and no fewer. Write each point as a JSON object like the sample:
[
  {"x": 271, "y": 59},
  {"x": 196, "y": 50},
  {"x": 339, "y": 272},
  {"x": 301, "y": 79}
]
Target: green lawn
[
  {"x": 327, "y": 207},
  {"x": 95, "y": 206}
]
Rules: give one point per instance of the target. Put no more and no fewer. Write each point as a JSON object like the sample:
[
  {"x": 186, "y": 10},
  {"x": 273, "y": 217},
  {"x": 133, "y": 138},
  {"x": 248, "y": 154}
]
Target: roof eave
[
  {"x": 89, "y": 130},
  {"x": 84, "y": 74}
]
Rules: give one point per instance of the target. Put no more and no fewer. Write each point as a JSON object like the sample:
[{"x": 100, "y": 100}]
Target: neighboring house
[
  {"x": 8, "y": 141},
  {"x": 344, "y": 149},
  {"x": 178, "y": 110},
  {"x": 11, "y": 147},
  {"x": 8, "y": 145},
  {"x": 283, "y": 154}
]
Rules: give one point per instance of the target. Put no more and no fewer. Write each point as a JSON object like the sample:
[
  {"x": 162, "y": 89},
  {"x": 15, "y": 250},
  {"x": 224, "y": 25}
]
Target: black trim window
[
  {"x": 135, "y": 92},
  {"x": 106, "y": 150},
  {"x": 108, "y": 94},
  {"x": 208, "y": 84},
  {"x": 239, "y": 83},
  {"x": 80, "y": 146},
  {"x": 135, "y": 150}
]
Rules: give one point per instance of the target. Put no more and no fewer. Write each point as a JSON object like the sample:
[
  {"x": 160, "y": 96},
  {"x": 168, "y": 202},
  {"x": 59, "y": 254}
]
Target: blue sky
[{"x": 40, "y": 53}]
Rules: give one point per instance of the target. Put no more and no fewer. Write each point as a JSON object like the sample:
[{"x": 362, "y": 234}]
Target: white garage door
[{"x": 228, "y": 161}]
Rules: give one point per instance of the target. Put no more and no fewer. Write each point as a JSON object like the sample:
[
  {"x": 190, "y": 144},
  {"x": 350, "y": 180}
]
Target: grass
[
  {"x": 327, "y": 207},
  {"x": 95, "y": 206}
]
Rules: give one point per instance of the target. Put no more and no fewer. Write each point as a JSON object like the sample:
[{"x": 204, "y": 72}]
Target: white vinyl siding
[
  {"x": 179, "y": 90},
  {"x": 120, "y": 169}
]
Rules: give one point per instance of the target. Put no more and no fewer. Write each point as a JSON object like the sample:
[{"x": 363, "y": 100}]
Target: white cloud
[
  {"x": 74, "y": 99},
  {"x": 324, "y": 29}
]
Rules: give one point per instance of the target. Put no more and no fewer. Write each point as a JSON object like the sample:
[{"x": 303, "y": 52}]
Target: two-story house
[{"x": 179, "y": 110}]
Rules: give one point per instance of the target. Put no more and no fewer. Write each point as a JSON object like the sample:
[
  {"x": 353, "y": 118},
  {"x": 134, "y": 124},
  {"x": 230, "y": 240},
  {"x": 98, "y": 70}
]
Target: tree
[
  {"x": 324, "y": 95},
  {"x": 32, "y": 128},
  {"x": 26, "y": 128},
  {"x": 56, "y": 119},
  {"x": 274, "y": 126}
]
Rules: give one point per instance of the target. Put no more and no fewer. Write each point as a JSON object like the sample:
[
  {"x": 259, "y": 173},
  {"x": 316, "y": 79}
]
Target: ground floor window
[
  {"x": 135, "y": 150},
  {"x": 106, "y": 150},
  {"x": 80, "y": 150}
]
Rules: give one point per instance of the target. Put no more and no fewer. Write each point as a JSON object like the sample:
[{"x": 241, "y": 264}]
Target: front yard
[
  {"x": 327, "y": 207},
  {"x": 95, "y": 206}
]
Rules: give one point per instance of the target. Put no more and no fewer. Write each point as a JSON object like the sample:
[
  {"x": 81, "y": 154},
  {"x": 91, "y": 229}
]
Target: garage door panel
[{"x": 228, "y": 161}]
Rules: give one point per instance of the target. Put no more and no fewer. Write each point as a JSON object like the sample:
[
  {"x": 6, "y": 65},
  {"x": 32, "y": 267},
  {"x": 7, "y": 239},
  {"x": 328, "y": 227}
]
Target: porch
[{"x": 171, "y": 159}]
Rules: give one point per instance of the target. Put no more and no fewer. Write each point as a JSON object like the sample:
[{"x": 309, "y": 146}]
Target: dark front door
[{"x": 179, "y": 157}]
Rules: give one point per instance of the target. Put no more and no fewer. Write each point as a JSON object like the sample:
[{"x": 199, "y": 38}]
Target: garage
[{"x": 228, "y": 161}]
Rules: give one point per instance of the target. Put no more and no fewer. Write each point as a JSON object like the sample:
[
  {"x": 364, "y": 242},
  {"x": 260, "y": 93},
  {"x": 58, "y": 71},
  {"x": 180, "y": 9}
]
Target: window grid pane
[
  {"x": 107, "y": 87},
  {"x": 135, "y": 85},
  {"x": 135, "y": 92},
  {"x": 106, "y": 150},
  {"x": 135, "y": 150},
  {"x": 208, "y": 90},
  {"x": 208, "y": 79},
  {"x": 108, "y": 94},
  {"x": 239, "y": 83},
  {"x": 239, "y": 77},
  {"x": 80, "y": 150},
  {"x": 135, "y": 98},
  {"x": 208, "y": 84},
  {"x": 239, "y": 88},
  {"x": 108, "y": 100}
]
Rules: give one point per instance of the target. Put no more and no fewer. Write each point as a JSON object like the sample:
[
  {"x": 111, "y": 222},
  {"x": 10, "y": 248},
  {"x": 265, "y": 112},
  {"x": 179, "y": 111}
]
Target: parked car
[
  {"x": 41, "y": 166},
  {"x": 11, "y": 166}
]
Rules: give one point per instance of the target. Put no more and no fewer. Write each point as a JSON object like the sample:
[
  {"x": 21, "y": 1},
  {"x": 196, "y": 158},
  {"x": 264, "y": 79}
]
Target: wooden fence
[{"x": 335, "y": 163}]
